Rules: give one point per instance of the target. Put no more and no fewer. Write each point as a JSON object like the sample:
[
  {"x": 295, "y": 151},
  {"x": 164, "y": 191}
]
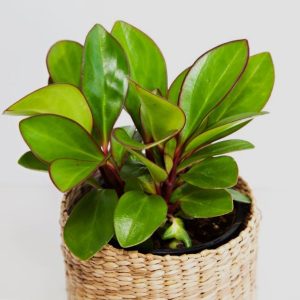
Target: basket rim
[{"x": 251, "y": 223}]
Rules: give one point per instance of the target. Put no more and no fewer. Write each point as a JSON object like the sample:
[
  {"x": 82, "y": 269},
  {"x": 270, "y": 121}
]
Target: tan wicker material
[{"x": 227, "y": 272}]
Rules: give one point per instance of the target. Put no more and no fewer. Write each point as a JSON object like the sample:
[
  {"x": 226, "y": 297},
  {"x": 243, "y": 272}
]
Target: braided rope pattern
[{"x": 228, "y": 272}]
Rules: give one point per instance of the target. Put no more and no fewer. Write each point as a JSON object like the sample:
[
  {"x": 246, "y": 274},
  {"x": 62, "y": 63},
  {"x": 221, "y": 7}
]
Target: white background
[{"x": 31, "y": 265}]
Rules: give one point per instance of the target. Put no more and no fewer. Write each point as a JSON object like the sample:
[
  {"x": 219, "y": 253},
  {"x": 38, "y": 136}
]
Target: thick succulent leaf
[
  {"x": 90, "y": 225},
  {"x": 52, "y": 137},
  {"x": 198, "y": 203},
  {"x": 213, "y": 150},
  {"x": 213, "y": 173},
  {"x": 238, "y": 196},
  {"x": 157, "y": 173},
  {"x": 122, "y": 136},
  {"x": 170, "y": 147},
  {"x": 64, "y": 62},
  {"x": 251, "y": 92},
  {"x": 137, "y": 216},
  {"x": 175, "y": 88},
  {"x": 59, "y": 99},
  {"x": 67, "y": 173},
  {"x": 168, "y": 163},
  {"x": 29, "y": 161},
  {"x": 143, "y": 183},
  {"x": 104, "y": 79},
  {"x": 220, "y": 130},
  {"x": 133, "y": 168},
  {"x": 160, "y": 118},
  {"x": 137, "y": 177},
  {"x": 242, "y": 116},
  {"x": 177, "y": 231},
  {"x": 147, "y": 65},
  {"x": 118, "y": 151},
  {"x": 209, "y": 80}
]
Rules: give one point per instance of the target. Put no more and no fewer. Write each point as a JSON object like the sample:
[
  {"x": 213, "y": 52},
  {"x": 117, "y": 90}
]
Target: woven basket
[{"x": 228, "y": 272}]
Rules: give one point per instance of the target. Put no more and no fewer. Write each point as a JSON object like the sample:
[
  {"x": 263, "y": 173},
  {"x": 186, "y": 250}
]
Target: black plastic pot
[{"x": 241, "y": 213}]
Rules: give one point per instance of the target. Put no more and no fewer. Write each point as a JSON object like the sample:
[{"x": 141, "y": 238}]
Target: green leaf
[
  {"x": 177, "y": 231},
  {"x": 251, "y": 92},
  {"x": 64, "y": 62},
  {"x": 220, "y": 130},
  {"x": 160, "y": 118},
  {"x": 157, "y": 173},
  {"x": 104, "y": 79},
  {"x": 29, "y": 161},
  {"x": 175, "y": 88},
  {"x": 133, "y": 168},
  {"x": 238, "y": 196},
  {"x": 59, "y": 99},
  {"x": 198, "y": 203},
  {"x": 209, "y": 80},
  {"x": 170, "y": 147},
  {"x": 213, "y": 150},
  {"x": 118, "y": 151},
  {"x": 213, "y": 173},
  {"x": 52, "y": 137},
  {"x": 147, "y": 65},
  {"x": 67, "y": 173},
  {"x": 137, "y": 216},
  {"x": 242, "y": 116},
  {"x": 142, "y": 183},
  {"x": 137, "y": 177},
  {"x": 90, "y": 225},
  {"x": 168, "y": 163},
  {"x": 128, "y": 142}
]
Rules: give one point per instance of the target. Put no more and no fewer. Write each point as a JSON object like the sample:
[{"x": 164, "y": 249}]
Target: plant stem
[
  {"x": 170, "y": 183},
  {"x": 112, "y": 177}
]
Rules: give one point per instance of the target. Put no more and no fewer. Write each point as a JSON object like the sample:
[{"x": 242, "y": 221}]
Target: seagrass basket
[{"x": 227, "y": 272}]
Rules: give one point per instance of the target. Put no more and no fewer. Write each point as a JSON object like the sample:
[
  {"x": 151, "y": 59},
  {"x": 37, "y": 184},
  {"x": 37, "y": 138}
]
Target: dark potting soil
[{"x": 206, "y": 233}]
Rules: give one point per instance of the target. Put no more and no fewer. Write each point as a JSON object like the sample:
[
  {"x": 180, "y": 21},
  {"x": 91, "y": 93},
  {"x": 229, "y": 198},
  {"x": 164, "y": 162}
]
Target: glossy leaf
[
  {"x": 52, "y": 137},
  {"x": 251, "y": 92},
  {"x": 118, "y": 151},
  {"x": 137, "y": 177},
  {"x": 238, "y": 196},
  {"x": 64, "y": 62},
  {"x": 175, "y": 88},
  {"x": 168, "y": 163},
  {"x": 198, "y": 203},
  {"x": 213, "y": 173},
  {"x": 67, "y": 173},
  {"x": 147, "y": 65},
  {"x": 157, "y": 173},
  {"x": 220, "y": 130},
  {"x": 242, "y": 116},
  {"x": 137, "y": 216},
  {"x": 142, "y": 183},
  {"x": 59, "y": 99},
  {"x": 122, "y": 136},
  {"x": 177, "y": 231},
  {"x": 90, "y": 225},
  {"x": 213, "y": 150},
  {"x": 209, "y": 80},
  {"x": 160, "y": 118},
  {"x": 170, "y": 147},
  {"x": 133, "y": 168},
  {"x": 104, "y": 79},
  {"x": 29, "y": 161}
]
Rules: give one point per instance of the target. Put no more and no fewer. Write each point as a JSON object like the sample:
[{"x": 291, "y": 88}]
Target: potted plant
[{"x": 155, "y": 210}]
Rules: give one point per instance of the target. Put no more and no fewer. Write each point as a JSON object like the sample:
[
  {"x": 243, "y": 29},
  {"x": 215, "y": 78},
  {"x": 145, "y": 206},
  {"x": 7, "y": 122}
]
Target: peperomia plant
[{"x": 169, "y": 166}]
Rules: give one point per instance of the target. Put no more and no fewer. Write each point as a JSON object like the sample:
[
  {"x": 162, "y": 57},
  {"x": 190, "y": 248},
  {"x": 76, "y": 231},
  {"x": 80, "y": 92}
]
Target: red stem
[
  {"x": 112, "y": 178},
  {"x": 170, "y": 183}
]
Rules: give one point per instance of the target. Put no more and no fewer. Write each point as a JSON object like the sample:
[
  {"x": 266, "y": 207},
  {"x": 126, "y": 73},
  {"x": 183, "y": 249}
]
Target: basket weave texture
[{"x": 228, "y": 272}]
